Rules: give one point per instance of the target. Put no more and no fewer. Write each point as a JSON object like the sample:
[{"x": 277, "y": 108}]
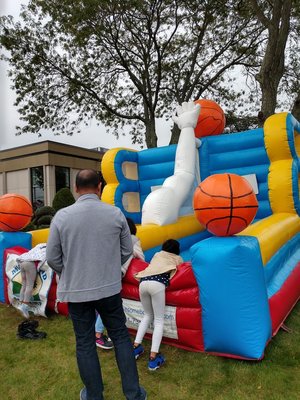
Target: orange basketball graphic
[
  {"x": 211, "y": 120},
  {"x": 15, "y": 212},
  {"x": 225, "y": 204}
]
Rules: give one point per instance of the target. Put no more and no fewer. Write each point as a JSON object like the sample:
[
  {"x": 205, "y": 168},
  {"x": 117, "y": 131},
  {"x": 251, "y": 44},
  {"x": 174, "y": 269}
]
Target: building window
[
  {"x": 37, "y": 187},
  {"x": 62, "y": 178}
]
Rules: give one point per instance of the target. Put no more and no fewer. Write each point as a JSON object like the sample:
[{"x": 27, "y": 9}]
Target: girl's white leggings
[
  {"x": 28, "y": 274},
  {"x": 152, "y": 294}
]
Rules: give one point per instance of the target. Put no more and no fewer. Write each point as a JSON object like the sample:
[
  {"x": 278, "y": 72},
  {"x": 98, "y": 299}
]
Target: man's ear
[{"x": 76, "y": 189}]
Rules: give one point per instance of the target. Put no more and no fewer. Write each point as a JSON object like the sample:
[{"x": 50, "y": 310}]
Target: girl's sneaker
[
  {"x": 104, "y": 342},
  {"x": 138, "y": 351},
  {"x": 157, "y": 362}
]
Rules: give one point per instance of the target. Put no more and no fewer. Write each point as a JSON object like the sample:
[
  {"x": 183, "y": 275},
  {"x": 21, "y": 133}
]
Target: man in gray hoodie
[{"x": 87, "y": 244}]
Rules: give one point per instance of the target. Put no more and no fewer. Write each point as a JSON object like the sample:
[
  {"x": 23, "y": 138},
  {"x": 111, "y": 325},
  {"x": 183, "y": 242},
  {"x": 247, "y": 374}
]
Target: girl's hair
[
  {"x": 131, "y": 225},
  {"x": 171, "y": 246}
]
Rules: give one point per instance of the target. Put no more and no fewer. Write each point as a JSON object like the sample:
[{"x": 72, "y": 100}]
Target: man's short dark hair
[{"x": 88, "y": 179}]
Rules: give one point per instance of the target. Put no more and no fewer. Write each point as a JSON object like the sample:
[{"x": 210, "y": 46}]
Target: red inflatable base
[
  {"x": 282, "y": 302},
  {"x": 52, "y": 303}
]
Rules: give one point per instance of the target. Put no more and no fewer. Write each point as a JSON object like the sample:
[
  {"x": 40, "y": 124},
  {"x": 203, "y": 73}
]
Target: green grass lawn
[{"x": 47, "y": 370}]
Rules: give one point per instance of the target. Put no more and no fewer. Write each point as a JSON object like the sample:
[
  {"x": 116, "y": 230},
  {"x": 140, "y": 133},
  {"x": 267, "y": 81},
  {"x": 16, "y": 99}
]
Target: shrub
[
  {"x": 41, "y": 219},
  {"x": 29, "y": 227},
  {"x": 45, "y": 210},
  {"x": 44, "y": 220},
  {"x": 43, "y": 226},
  {"x": 63, "y": 198}
]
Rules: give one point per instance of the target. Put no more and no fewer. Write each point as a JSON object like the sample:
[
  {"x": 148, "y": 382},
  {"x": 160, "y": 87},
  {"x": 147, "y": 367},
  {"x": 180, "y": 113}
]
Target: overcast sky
[{"x": 90, "y": 137}]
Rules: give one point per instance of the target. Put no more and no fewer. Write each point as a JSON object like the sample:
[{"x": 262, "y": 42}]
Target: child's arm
[
  {"x": 138, "y": 251},
  {"x": 124, "y": 267}
]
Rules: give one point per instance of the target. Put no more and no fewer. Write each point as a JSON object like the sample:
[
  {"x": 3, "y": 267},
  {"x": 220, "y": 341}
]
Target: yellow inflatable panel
[
  {"x": 39, "y": 236},
  {"x": 107, "y": 165},
  {"x": 108, "y": 194},
  {"x": 276, "y": 137},
  {"x": 154, "y": 235},
  {"x": 273, "y": 232},
  {"x": 280, "y": 186},
  {"x": 280, "y": 172}
]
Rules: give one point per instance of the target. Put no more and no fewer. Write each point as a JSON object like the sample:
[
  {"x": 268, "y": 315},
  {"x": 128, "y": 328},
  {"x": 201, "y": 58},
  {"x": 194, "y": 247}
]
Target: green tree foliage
[
  {"x": 123, "y": 62},
  {"x": 238, "y": 123},
  {"x": 41, "y": 218},
  {"x": 45, "y": 210},
  {"x": 63, "y": 198}
]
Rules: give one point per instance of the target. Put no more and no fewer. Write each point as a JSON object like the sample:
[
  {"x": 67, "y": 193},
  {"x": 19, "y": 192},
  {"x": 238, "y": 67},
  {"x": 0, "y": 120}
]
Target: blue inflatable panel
[
  {"x": 156, "y": 170},
  {"x": 281, "y": 265},
  {"x": 242, "y": 154},
  {"x": 292, "y": 127},
  {"x": 121, "y": 156},
  {"x": 7, "y": 240},
  {"x": 157, "y": 155},
  {"x": 295, "y": 183},
  {"x": 145, "y": 186},
  {"x": 235, "y": 142},
  {"x": 248, "y": 157},
  {"x": 235, "y": 309}
]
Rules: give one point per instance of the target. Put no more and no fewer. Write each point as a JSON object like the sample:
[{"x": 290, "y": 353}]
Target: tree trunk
[
  {"x": 151, "y": 138},
  {"x": 272, "y": 67},
  {"x": 296, "y": 108},
  {"x": 150, "y": 134},
  {"x": 269, "y": 95},
  {"x": 271, "y": 71},
  {"x": 175, "y": 134}
]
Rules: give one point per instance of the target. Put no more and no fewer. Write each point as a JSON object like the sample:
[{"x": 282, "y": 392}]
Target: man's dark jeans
[{"x": 113, "y": 317}]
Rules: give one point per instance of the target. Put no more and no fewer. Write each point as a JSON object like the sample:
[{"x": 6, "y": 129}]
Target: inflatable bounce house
[{"x": 232, "y": 201}]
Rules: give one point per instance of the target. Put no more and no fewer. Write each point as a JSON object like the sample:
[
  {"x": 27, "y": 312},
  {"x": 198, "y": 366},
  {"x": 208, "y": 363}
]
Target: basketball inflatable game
[
  {"x": 235, "y": 289},
  {"x": 232, "y": 201}
]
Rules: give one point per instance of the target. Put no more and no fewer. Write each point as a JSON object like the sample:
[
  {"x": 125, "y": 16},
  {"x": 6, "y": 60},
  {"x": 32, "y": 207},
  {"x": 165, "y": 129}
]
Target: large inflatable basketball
[
  {"x": 15, "y": 212},
  {"x": 211, "y": 119},
  {"x": 225, "y": 204}
]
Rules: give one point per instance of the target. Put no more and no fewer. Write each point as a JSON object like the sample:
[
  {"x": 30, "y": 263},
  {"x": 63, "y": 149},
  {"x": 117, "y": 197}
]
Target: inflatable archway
[{"x": 232, "y": 294}]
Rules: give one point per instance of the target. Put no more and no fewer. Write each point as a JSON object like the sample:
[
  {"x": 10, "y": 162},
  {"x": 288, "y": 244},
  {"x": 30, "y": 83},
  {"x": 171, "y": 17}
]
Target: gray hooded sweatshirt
[{"x": 87, "y": 244}]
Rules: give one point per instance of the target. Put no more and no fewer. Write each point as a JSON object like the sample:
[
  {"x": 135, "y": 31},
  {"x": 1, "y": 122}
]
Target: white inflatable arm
[{"x": 162, "y": 206}]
